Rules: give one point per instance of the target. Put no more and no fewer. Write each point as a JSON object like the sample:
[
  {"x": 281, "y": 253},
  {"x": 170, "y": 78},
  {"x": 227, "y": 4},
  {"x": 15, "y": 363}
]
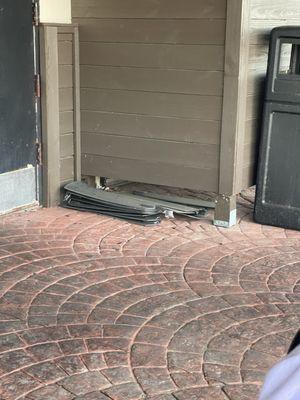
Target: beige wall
[{"x": 55, "y": 11}]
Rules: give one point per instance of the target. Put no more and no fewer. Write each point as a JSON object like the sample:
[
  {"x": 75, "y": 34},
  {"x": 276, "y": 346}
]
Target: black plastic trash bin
[{"x": 278, "y": 184}]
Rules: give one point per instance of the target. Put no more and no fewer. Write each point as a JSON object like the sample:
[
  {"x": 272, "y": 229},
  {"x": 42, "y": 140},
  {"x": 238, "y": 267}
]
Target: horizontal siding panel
[
  {"x": 157, "y": 104},
  {"x": 66, "y": 103},
  {"x": 192, "y": 155},
  {"x": 254, "y": 107},
  {"x": 196, "y": 57},
  {"x": 65, "y": 29},
  {"x": 66, "y": 122},
  {"x": 249, "y": 175},
  {"x": 153, "y": 80},
  {"x": 153, "y": 31},
  {"x": 258, "y": 58},
  {"x": 67, "y": 169},
  {"x": 65, "y": 37},
  {"x": 275, "y": 9},
  {"x": 149, "y": 9},
  {"x": 65, "y": 53},
  {"x": 260, "y": 29},
  {"x": 253, "y": 130},
  {"x": 250, "y": 152},
  {"x": 264, "y": 16},
  {"x": 256, "y": 82},
  {"x": 177, "y": 129},
  {"x": 67, "y": 145},
  {"x": 66, "y": 99},
  {"x": 65, "y": 73},
  {"x": 151, "y": 89},
  {"x": 149, "y": 172}
]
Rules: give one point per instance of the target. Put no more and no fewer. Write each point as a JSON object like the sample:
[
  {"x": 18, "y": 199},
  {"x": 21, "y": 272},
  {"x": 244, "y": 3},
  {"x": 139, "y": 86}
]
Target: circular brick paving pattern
[{"x": 94, "y": 308}]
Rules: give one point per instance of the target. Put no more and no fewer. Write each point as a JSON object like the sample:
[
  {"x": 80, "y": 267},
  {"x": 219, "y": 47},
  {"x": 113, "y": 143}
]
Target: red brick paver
[{"x": 94, "y": 308}]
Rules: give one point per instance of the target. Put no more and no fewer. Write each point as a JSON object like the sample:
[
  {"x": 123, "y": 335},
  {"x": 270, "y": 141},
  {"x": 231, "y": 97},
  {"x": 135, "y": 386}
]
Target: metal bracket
[{"x": 225, "y": 212}]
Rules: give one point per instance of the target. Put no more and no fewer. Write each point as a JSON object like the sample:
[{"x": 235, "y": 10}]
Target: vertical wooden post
[
  {"x": 77, "y": 118},
  {"x": 234, "y": 105},
  {"x": 50, "y": 115},
  {"x": 235, "y": 94}
]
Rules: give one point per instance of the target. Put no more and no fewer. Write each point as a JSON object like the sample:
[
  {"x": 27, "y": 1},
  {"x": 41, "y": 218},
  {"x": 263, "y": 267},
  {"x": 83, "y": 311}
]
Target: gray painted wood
[
  {"x": 252, "y": 127},
  {"x": 279, "y": 9},
  {"x": 66, "y": 99},
  {"x": 50, "y": 115},
  {"x": 164, "y": 56},
  {"x": 161, "y": 173},
  {"x": 70, "y": 149},
  {"x": 149, "y": 103},
  {"x": 151, "y": 127},
  {"x": 254, "y": 106},
  {"x": 193, "y": 155},
  {"x": 264, "y": 16},
  {"x": 77, "y": 105},
  {"x": 61, "y": 112},
  {"x": 234, "y": 104},
  {"x": 65, "y": 52},
  {"x": 153, "y": 80},
  {"x": 152, "y": 89},
  {"x": 67, "y": 145},
  {"x": 66, "y": 123},
  {"x": 67, "y": 170},
  {"x": 149, "y": 9},
  {"x": 65, "y": 76},
  {"x": 170, "y": 31},
  {"x": 65, "y": 37}
]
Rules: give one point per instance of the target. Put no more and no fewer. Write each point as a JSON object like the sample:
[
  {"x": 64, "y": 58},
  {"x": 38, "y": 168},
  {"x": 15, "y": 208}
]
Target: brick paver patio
[{"x": 94, "y": 308}]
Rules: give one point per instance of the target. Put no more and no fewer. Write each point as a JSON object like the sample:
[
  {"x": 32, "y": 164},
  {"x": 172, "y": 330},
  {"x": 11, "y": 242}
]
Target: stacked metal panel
[{"x": 135, "y": 208}]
